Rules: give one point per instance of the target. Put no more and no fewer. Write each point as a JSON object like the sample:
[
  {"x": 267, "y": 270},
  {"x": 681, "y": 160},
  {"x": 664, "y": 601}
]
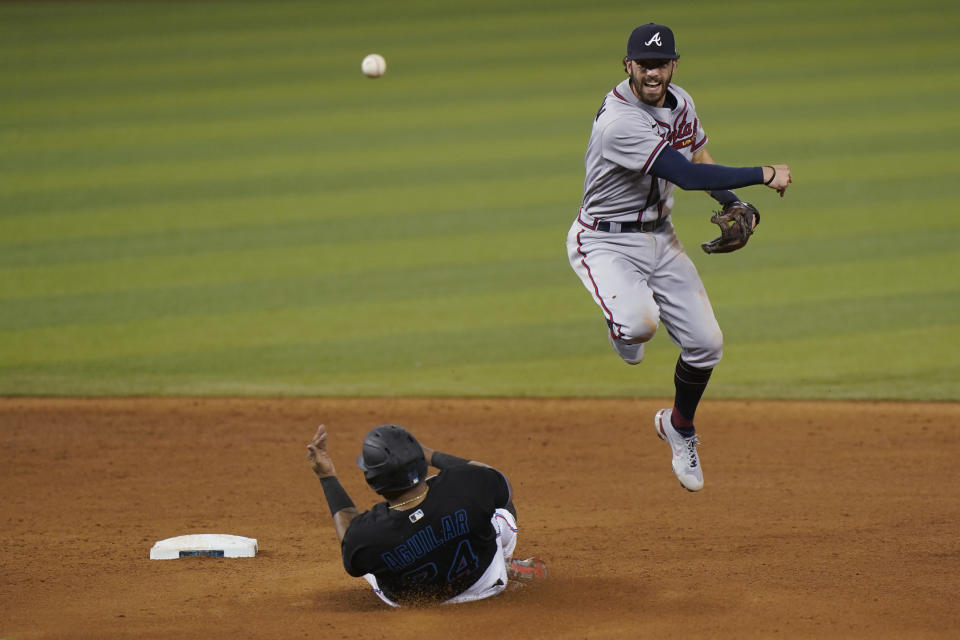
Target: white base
[{"x": 219, "y": 545}]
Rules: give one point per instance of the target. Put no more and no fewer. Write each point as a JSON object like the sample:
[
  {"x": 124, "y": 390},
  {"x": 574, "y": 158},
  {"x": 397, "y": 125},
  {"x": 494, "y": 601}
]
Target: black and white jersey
[{"x": 436, "y": 550}]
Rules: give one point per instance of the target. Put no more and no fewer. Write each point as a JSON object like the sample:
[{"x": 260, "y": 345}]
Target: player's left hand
[
  {"x": 317, "y": 454},
  {"x": 737, "y": 221}
]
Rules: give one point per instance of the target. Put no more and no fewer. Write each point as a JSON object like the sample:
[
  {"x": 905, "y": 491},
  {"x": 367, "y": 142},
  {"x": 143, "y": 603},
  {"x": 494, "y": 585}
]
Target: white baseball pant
[{"x": 642, "y": 279}]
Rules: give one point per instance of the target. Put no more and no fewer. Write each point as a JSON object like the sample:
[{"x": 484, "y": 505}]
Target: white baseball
[{"x": 374, "y": 65}]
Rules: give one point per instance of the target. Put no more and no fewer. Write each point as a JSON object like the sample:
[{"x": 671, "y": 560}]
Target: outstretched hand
[
  {"x": 779, "y": 176},
  {"x": 317, "y": 454}
]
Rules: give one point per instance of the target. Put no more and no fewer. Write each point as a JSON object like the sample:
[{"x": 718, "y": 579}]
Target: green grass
[{"x": 209, "y": 198}]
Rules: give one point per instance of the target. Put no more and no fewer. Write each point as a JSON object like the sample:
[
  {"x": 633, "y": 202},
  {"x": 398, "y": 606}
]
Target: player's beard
[{"x": 653, "y": 95}]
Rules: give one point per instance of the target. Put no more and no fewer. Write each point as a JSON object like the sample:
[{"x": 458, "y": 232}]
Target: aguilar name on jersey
[
  {"x": 626, "y": 138},
  {"x": 437, "y": 550}
]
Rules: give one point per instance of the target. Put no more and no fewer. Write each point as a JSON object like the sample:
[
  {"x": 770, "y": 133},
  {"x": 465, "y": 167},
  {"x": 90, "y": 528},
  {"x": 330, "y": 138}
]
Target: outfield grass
[{"x": 209, "y": 198}]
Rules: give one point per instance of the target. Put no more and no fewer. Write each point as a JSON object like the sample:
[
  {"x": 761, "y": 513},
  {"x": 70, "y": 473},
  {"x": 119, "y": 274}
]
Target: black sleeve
[
  {"x": 442, "y": 460},
  {"x": 360, "y": 535},
  {"x": 724, "y": 197},
  {"x": 671, "y": 165},
  {"x": 336, "y": 495},
  {"x": 499, "y": 487},
  {"x": 348, "y": 547}
]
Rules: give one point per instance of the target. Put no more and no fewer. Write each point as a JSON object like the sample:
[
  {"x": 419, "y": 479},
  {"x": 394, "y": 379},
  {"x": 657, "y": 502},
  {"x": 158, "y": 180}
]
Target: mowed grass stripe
[
  {"x": 868, "y": 364},
  {"x": 263, "y": 54},
  {"x": 264, "y": 263},
  {"x": 301, "y": 171},
  {"x": 119, "y": 142},
  {"x": 444, "y": 295},
  {"x": 284, "y": 28},
  {"x": 838, "y": 280},
  {"x": 851, "y": 315},
  {"x": 878, "y": 177},
  {"x": 767, "y": 319},
  {"x": 372, "y": 202},
  {"x": 779, "y": 248},
  {"x": 489, "y": 150},
  {"x": 315, "y": 150},
  {"x": 444, "y": 371},
  {"x": 307, "y": 141},
  {"x": 602, "y": 375},
  {"x": 376, "y": 321},
  {"x": 424, "y": 359},
  {"x": 846, "y": 215},
  {"x": 369, "y": 207},
  {"x": 837, "y": 228},
  {"x": 258, "y": 252},
  {"x": 258, "y": 65},
  {"x": 529, "y": 154},
  {"x": 218, "y": 97},
  {"x": 786, "y": 251},
  {"x": 287, "y": 30},
  {"x": 312, "y": 233},
  {"x": 321, "y": 289}
]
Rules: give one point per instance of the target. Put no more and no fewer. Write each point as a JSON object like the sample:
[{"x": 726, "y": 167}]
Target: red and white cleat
[{"x": 526, "y": 570}]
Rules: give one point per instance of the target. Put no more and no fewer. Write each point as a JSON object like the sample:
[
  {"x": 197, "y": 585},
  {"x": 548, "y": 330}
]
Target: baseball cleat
[
  {"x": 630, "y": 353},
  {"x": 529, "y": 569},
  {"x": 686, "y": 462}
]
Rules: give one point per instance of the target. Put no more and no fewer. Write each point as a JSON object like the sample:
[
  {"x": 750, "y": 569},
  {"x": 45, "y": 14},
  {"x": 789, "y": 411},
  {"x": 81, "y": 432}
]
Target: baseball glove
[{"x": 736, "y": 220}]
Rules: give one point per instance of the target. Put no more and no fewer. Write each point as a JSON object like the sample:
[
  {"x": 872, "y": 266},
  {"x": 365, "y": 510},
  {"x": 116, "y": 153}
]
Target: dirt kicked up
[{"x": 817, "y": 519}]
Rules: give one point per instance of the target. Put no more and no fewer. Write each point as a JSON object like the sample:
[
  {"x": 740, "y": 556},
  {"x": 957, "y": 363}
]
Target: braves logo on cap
[{"x": 652, "y": 41}]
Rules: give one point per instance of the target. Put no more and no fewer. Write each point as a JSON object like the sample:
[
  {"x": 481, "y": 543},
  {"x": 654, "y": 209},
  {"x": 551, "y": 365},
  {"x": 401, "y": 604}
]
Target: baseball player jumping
[
  {"x": 446, "y": 538},
  {"x": 647, "y": 138}
]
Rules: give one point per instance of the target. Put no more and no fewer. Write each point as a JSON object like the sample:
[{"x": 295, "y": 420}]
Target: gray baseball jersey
[
  {"x": 640, "y": 280},
  {"x": 627, "y": 137}
]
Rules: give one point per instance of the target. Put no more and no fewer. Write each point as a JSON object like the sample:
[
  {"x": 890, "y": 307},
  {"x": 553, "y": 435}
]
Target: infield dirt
[{"x": 818, "y": 519}]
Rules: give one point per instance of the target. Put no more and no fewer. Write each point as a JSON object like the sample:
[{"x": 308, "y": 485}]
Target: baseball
[{"x": 374, "y": 65}]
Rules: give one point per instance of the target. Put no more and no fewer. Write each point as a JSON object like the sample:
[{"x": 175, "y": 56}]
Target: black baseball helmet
[{"x": 392, "y": 459}]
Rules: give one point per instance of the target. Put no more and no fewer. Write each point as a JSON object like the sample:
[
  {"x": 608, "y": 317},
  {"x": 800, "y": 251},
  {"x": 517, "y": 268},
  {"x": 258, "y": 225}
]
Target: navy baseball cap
[{"x": 652, "y": 41}]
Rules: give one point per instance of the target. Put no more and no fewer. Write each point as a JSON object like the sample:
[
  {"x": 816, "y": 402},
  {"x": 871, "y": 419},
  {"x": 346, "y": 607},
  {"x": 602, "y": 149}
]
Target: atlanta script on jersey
[{"x": 626, "y": 139}]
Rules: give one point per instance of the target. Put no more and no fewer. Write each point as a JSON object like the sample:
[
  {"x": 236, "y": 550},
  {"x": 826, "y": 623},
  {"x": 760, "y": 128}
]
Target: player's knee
[
  {"x": 709, "y": 351},
  {"x": 706, "y": 353},
  {"x": 638, "y": 329}
]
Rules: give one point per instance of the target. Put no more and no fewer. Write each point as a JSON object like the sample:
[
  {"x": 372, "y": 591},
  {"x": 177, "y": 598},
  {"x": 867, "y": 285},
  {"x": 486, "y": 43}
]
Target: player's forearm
[
  {"x": 671, "y": 165},
  {"x": 342, "y": 520},
  {"x": 341, "y": 506},
  {"x": 723, "y": 196}
]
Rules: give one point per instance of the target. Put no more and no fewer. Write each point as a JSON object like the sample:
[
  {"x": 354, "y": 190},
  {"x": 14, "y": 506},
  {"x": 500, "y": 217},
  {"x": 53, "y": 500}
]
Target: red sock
[{"x": 678, "y": 420}]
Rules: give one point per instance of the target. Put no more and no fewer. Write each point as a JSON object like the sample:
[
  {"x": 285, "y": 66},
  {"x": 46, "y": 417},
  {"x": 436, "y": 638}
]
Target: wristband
[
  {"x": 336, "y": 495},
  {"x": 445, "y": 460},
  {"x": 771, "y": 177}
]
